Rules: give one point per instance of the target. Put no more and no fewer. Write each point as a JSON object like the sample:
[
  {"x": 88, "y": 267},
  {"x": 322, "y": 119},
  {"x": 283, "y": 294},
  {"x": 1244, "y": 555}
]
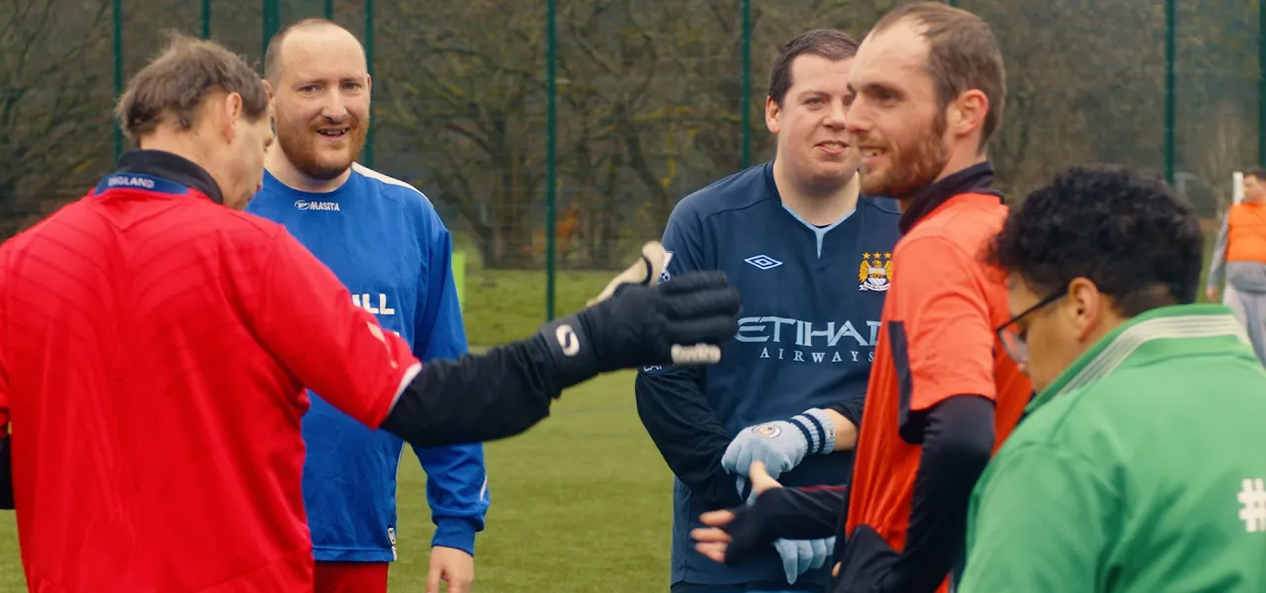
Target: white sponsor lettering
[
  {"x": 306, "y": 205},
  {"x": 770, "y": 328},
  {"x": 362, "y": 300},
  {"x": 130, "y": 181},
  {"x": 798, "y": 340}
]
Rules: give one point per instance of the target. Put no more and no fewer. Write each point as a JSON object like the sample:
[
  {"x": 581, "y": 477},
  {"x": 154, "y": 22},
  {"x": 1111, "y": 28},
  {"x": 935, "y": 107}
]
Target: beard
[
  {"x": 300, "y": 147},
  {"x": 912, "y": 167}
]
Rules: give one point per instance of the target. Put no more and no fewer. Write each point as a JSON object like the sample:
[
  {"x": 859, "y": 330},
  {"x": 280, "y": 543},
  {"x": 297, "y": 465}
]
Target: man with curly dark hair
[{"x": 1138, "y": 465}]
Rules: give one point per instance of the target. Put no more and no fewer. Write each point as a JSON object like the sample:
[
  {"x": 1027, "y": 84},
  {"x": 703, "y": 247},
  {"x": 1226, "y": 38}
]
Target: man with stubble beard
[
  {"x": 925, "y": 94},
  {"x": 385, "y": 242}
]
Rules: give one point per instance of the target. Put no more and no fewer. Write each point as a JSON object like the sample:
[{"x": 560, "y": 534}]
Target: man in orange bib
[
  {"x": 926, "y": 93},
  {"x": 1240, "y": 255}
]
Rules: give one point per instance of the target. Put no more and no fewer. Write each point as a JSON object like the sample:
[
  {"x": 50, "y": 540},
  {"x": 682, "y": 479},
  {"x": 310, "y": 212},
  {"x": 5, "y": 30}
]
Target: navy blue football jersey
[{"x": 812, "y": 298}]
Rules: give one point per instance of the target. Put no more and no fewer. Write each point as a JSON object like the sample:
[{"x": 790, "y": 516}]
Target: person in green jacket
[{"x": 1139, "y": 464}]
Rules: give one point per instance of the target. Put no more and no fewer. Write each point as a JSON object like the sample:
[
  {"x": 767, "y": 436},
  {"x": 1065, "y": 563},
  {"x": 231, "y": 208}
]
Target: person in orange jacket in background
[{"x": 1240, "y": 256}]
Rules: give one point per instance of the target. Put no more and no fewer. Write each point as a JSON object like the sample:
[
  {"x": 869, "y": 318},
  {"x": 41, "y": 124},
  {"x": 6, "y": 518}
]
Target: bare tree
[
  {"x": 1216, "y": 153},
  {"x": 1081, "y": 88},
  {"x": 52, "y": 105},
  {"x": 470, "y": 97},
  {"x": 649, "y": 100}
]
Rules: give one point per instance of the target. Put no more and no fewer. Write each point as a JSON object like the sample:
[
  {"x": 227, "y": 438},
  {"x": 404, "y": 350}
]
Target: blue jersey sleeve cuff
[{"x": 455, "y": 533}]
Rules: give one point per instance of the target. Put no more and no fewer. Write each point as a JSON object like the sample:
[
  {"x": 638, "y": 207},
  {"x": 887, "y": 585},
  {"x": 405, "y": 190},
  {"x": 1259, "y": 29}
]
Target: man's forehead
[
  {"x": 811, "y": 70},
  {"x": 322, "y": 48},
  {"x": 898, "y": 48}
]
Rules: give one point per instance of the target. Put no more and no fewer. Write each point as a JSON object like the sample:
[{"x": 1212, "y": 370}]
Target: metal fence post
[
  {"x": 1261, "y": 83},
  {"x": 206, "y": 19},
  {"x": 1170, "y": 42},
  {"x": 369, "y": 59},
  {"x": 745, "y": 101},
  {"x": 272, "y": 20},
  {"x": 551, "y": 125}
]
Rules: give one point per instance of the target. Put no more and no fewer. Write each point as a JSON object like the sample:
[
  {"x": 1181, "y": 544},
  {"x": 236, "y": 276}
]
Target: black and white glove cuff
[{"x": 571, "y": 349}]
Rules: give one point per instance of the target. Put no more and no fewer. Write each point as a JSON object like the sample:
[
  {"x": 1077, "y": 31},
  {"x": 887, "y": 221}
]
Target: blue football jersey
[
  {"x": 385, "y": 242},
  {"x": 812, "y": 299}
]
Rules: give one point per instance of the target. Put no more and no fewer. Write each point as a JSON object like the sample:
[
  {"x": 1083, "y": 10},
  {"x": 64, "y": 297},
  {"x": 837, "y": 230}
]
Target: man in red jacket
[{"x": 154, "y": 343}]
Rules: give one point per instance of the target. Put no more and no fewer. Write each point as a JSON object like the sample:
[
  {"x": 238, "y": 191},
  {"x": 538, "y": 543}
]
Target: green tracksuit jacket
[{"x": 1139, "y": 470}]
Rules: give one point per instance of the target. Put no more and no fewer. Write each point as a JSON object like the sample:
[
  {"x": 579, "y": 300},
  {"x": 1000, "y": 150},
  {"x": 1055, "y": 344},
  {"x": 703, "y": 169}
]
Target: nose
[
  {"x": 838, "y": 116},
  {"x": 859, "y": 117},
  {"x": 334, "y": 109}
]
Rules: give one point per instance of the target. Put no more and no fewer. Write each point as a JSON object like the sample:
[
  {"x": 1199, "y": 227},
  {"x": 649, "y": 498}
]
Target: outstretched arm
[
  {"x": 509, "y": 389},
  {"x": 371, "y": 375}
]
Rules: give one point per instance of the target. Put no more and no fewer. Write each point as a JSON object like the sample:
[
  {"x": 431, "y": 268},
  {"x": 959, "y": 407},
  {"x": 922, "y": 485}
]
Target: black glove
[
  {"x": 781, "y": 513},
  {"x": 638, "y": 322}
]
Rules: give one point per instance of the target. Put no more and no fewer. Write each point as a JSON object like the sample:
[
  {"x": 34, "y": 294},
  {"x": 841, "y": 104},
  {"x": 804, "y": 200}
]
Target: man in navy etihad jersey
[
  {"x": 811, "y": 258},
  {"x": 385, "y": 242}
]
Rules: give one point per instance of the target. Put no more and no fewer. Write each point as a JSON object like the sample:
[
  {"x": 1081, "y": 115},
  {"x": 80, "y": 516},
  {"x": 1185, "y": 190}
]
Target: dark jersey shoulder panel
[{"x": 741, "y": 190}]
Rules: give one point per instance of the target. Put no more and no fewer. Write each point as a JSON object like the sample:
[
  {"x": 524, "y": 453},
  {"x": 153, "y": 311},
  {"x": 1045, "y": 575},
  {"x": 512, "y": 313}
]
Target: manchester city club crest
[
  {"x": 875, "y": 272},
  {"x": 767, "y": 431}
]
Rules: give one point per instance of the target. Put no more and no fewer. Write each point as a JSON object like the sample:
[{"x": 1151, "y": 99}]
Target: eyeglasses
[{"x": 1013, "y": 340}]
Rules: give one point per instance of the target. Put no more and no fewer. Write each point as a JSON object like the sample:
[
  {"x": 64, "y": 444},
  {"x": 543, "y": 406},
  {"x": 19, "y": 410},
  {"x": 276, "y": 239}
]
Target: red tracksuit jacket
[{"x": 153, "y": 346}]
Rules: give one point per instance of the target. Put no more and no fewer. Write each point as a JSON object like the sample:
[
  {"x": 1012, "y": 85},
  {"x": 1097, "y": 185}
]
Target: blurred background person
[{"x": 1240, "y": 256}]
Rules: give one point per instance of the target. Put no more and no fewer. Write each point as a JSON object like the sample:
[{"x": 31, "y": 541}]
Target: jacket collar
[
  {"x": 977, "y": 178},
  {"x": 1143, "y": 338},
  {"x": 172, "y": 167}
]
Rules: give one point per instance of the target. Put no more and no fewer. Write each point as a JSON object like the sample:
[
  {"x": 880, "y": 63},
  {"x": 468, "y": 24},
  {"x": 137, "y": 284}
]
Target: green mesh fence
[{"x": 649, "y": 100}]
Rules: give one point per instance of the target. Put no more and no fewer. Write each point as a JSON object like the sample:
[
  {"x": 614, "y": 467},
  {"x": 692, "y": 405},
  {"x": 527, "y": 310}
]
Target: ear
[
  {"x": 771, "y": 115},
  {"x": 1087, "y": 305},
  {"x": 369, "y": 82},
  {"x": 268, "y": 88},
  {"x": 231, "y": 111},
  {"x": 967, "y": 113}
]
